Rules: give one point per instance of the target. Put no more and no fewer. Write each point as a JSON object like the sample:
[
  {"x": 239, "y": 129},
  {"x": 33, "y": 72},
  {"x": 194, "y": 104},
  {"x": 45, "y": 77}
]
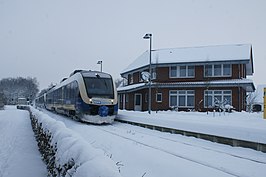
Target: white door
[{"x": 138, "y": 102}]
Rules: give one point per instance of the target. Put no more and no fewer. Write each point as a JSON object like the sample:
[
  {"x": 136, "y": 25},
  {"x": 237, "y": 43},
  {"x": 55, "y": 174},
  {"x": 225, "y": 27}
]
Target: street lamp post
[
  {"x": 101, "y": 63},
  {"x": 149, "y": 36}
]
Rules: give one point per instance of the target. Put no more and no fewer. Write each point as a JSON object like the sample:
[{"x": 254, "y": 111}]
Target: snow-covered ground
[
  {"x": 19, "y": 155},
  {"x": 140, "y": 152}
]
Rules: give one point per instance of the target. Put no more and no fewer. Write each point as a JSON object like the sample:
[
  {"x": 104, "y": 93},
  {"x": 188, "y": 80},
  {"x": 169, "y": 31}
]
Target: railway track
[
  {"x": 119, "y": 140},
  {"x": 184, "y": 156},
  {"x": 204, "y": 147}
]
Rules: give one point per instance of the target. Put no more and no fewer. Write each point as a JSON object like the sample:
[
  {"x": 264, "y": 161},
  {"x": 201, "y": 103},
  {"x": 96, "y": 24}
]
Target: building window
[
  {"x": 146, "y": 97},
  {"x": 182, "y": 98},
  {"x": 182, "y": 71},
  {"x": 173, "y": 71},
  {"x": 153, "y": 73},
  {"x": 140, "y": 77},
  {"x": 208, "y": 70},
  {"x": 130, "y": 79},
  {"x": 218, "y": 70},
  {"x": 217, "y": 98},
  {"x": 159, "y": 97},
  {"x": 191, "y": 71},
  {"x": 227, "y": 69},
  {"x": 127, "y": 97},
  {"x": 121, "y": 97}
]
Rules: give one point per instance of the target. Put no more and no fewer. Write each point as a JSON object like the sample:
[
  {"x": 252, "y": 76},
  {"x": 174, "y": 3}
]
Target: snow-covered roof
[
  {"x": 220, "y": 53},
  {"x": 247, "y": 84},
  {"x": 131, "y": 87}
]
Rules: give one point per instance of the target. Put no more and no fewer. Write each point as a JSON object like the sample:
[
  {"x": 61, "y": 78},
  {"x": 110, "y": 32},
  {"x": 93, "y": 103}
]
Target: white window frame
[
  {"x": 178, "y": 71},
  {"x": 213, "y": 70},
  {"x": 159, "y": 101},
  {"x": 212, "y": 94},
  {"x": 185, "y": 93}
]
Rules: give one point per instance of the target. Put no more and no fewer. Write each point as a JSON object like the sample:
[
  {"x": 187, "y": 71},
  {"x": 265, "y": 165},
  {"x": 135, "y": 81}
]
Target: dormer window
[
  {"x": 153, "y": 73},
  {"x": 140, "y": 77},
  {"x": 130, "y": 79},
  {"x": 182, "y": 71}
]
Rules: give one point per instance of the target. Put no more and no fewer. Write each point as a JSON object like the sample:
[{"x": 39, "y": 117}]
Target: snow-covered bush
[{"x": 67, "y": 154}]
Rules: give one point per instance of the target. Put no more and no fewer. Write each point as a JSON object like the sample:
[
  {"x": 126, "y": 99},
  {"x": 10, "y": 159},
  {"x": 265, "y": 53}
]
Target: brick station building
[{"x": 197, "y": 78}]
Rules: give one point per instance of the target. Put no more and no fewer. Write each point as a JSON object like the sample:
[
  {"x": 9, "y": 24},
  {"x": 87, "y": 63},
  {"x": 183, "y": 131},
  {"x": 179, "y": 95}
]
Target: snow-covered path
[{"x": 19, "y": 155}]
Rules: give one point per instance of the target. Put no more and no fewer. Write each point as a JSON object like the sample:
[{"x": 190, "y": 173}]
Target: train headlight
[
  {"x": 112, "y": 101},
  {"x": 90, "y": 100}
]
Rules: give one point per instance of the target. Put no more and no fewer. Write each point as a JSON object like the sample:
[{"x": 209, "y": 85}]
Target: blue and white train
[{"x": 89, "y": 96}]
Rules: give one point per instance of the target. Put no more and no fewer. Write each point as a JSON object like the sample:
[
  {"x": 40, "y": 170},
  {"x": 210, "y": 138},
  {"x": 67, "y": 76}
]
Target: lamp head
[{"x": 147, "y": 36}]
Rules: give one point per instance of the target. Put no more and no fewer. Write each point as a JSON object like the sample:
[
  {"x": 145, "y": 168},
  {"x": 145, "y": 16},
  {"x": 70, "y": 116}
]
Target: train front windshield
[{"x": 99, "y": 87}]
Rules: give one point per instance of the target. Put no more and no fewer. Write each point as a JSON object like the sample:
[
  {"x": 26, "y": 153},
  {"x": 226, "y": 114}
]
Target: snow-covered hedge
[{"x": 65, "y": 153}]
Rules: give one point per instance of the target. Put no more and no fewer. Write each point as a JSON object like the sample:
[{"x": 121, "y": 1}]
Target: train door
[{"x": 138, "y": 102}]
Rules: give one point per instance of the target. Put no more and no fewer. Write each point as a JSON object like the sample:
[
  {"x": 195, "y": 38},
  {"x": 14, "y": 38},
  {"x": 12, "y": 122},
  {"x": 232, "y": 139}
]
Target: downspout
[
  {"x": 124, "y": 95},
  {"x": 239, "y": 102}
]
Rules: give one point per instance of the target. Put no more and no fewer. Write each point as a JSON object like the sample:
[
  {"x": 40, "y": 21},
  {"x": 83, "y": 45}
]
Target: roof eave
[{"x": 244, "y": 83}]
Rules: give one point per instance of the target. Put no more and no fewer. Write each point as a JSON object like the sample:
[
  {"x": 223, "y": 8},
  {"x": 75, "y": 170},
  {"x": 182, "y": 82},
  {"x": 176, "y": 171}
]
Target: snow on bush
[{"x": 67, "y": 154}]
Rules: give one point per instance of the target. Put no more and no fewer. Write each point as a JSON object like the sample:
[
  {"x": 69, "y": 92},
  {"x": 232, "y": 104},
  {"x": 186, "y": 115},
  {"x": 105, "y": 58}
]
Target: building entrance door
[{"x": 138, "y": 102}]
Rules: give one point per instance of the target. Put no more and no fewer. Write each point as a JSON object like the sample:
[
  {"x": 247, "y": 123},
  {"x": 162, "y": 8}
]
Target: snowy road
[{"x": 142, "y": 152}]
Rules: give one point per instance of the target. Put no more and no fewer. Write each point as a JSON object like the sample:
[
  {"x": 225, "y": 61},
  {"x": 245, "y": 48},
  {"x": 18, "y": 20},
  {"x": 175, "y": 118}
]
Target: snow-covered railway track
[
  {"x": 167, "y": 137},
  {"x": 185, "y": 142},
  {"x": 184, "y": 156},
  {"x": 144, "y": 152},
  {"x": 177, "y": 155}
]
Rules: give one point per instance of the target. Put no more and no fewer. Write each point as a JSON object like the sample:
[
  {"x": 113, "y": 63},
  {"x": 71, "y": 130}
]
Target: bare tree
[
  {"x": 250, "y": 100},
  {"x": 13, "y": 88},
  {"x": 2, "y": 100}
]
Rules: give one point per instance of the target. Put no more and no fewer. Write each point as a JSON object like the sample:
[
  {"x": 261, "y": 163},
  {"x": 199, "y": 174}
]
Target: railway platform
[{"x": 238, "y": 129}]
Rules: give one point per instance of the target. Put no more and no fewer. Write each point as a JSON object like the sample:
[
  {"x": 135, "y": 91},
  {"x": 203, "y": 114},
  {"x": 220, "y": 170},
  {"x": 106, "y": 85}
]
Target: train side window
[
  {"x": 72, "y": 92},
  {"x": 64, "y": 92},
  {"x": 55, "y": 96},
  {"x": 76, "y": 89},
  {"x": 59, "y": 95},
  {"x": 68, "y": 91}
]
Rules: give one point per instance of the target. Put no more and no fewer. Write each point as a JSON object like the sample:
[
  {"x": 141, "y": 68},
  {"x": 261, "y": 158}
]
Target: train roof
[
  {"x": 96, "y": 74},
  {"x": 76, "y": 71},
  {"x": 89, "y": 73}
]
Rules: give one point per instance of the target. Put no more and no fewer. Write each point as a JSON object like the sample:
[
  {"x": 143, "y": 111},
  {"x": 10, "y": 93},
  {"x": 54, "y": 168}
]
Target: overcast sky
[{"x": 48, "y": 39}]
